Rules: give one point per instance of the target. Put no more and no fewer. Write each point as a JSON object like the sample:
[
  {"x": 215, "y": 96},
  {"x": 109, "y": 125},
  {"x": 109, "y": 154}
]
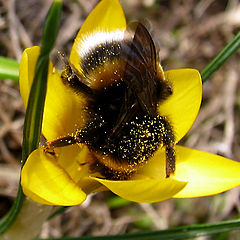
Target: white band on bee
[{"x": 91, "y": 41}]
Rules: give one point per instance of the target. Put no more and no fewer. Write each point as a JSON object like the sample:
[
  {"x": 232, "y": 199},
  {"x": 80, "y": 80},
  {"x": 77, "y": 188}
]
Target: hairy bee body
[{"x": 123, "y": 83}]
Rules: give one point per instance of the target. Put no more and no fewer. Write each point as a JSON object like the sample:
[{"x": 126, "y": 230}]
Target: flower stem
[
  {"x": 29, "y": 221},
  {"x": 9, "y": 218},
  {"x": 218, "y": 61}
]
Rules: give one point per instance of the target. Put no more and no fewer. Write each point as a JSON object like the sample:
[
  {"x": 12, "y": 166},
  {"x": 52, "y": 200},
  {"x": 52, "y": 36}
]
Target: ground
[{"x": 190, "y": 34}]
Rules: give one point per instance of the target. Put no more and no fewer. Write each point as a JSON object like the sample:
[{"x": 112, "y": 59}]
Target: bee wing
[
  {"x": 140, "y": 70},
  {"x": 139, "y": 76}
]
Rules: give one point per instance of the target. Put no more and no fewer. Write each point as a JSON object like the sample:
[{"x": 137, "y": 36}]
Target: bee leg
[
  {"x": 168, "y": 142},
  {"x": 170, "y": 159},
  {"x": 60, "y": 142}
]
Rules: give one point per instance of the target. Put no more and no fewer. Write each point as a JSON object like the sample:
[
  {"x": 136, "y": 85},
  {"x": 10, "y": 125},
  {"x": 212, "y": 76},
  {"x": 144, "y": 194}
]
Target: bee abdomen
[
  {"x": 120, "y": 156},
  {"x": 102, "y": 53}
]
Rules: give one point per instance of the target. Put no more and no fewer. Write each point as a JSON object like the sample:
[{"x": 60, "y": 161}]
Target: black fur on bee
[{"x": 122, "y": 83}]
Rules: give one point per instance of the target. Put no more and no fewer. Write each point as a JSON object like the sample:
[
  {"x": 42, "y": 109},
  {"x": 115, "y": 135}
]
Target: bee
[{"x": 123, "y": 84}]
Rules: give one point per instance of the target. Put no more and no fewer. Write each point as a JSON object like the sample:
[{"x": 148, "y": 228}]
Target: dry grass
[{"x": 190, "y": 33}]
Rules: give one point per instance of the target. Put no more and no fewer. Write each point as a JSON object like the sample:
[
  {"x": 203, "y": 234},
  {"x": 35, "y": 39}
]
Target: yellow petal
[
  {"x": 183, "y": 105},
  {"x": 74, "y": 160},
  {"x": 26, "y": 71},
  {"x": 155, "y": 166},
  {"x": 107, "y": 16},
  {"x": 206, "y": 173},
  {"x": 35, "y": 197},
  {"x": 144, "y": 190},
  {"x": 46, "y": 182},
  {"x": 69, "y": 158},
  {"x": 63, "y": 113}
]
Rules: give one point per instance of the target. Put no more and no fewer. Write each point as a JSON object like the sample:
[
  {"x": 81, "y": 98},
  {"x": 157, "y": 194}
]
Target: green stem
[{"x": 219, "y": 60}]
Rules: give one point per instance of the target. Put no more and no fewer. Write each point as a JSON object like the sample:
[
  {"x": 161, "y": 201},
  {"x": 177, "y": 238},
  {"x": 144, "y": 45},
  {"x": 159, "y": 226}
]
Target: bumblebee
[{"x": 123, "y": 84}]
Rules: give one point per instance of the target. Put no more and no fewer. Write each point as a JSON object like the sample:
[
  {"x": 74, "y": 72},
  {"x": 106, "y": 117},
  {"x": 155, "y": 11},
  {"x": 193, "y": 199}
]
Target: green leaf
[
  {"x": 60, "y": 210},
  {"x": 117, "y": 202},
  {"x": 33, "y": 119},
  {"x": 51, "y": 28},
  {"x": 186, "y": 232},
  {"x": 219, "y": 60},
  {"x": 9, "y": 69},
  {"x": 34, "y": 112}
]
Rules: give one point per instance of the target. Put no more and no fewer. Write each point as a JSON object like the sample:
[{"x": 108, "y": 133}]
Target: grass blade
[
  {"x": 186, "y": 232},
  {"x": 219, "y": 60},
  {"x": 34, "y": 112}
]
